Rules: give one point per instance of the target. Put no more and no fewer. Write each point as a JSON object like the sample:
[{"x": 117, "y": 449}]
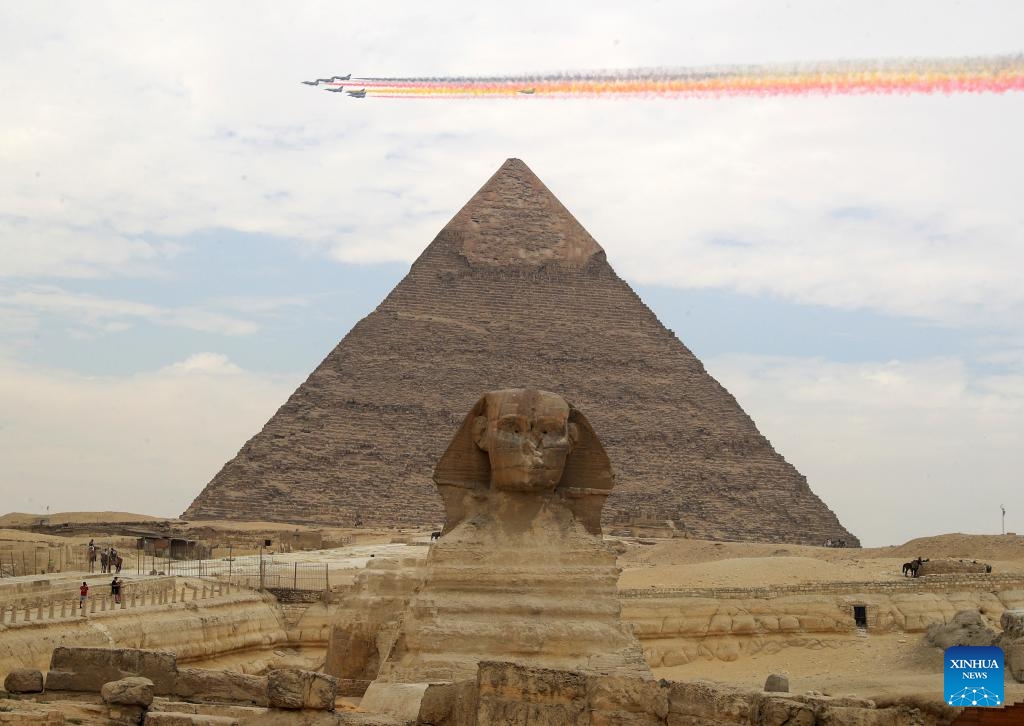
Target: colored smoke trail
[{"x": 994, "y": 74}]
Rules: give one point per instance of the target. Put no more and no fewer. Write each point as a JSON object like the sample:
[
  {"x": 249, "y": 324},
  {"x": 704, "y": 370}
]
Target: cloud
[
  {"x": 146, "y": 443},
  {"x": 113, "y": 315},
  {"x": 896, "y": 449},
  {"x": 206, "y": 363},
  {"x": 158, "y": 131},
  {"x": 42, "y": 247}
]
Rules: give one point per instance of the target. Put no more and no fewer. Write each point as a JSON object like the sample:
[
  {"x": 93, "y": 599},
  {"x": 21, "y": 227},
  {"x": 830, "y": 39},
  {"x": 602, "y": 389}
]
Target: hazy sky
[{"x": 186, "y": 230}]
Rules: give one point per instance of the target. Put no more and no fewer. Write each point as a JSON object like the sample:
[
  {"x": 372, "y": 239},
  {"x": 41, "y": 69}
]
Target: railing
[{"x": 133, "y": 596}]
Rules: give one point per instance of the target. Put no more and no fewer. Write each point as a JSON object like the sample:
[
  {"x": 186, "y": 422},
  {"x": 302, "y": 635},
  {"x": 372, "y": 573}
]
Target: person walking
[
  {"x": 115, "y": 590},
  {"x": 83, "y": 593}
]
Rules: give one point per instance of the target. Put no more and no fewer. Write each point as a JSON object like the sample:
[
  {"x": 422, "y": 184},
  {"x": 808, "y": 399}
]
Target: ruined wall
[
  {"x": 504, "y": 693},
  {"x": 679, "y": 626},
  {"x": 194, "y": 629}
]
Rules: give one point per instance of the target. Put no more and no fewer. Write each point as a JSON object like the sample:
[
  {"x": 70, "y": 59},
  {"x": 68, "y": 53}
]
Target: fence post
[{"x": 295, "y": 577}]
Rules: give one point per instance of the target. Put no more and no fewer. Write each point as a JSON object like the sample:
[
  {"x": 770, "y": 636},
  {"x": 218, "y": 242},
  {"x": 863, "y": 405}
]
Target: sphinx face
[{"x": 527, "y": 439}]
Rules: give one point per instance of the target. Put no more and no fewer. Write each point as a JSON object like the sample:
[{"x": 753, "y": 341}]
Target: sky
[{"x": 186, "y": 230}]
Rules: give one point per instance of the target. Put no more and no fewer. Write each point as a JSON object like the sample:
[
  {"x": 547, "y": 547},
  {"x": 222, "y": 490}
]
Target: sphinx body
[{"x": 521, "y": 573}]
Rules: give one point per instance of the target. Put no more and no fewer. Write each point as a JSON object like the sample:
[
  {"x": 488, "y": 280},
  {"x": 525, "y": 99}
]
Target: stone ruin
[
  {"x": 514, "y": 291},
  {"x": 134, "y": 686},
  {"x": 521, "y": 573}
]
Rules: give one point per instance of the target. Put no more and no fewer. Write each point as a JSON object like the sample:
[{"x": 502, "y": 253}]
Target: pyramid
[{"x": 514, "y": 293}]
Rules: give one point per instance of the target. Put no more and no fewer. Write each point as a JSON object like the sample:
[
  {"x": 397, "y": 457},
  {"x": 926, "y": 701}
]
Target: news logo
[{"x": 974, "y": 675}]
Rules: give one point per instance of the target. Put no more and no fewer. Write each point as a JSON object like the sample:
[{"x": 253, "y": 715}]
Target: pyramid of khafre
[{"x": 514, "y": 293}]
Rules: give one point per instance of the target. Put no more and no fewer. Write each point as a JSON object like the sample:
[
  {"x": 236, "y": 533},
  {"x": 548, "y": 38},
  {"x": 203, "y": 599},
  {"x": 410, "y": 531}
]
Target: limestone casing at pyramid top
[{"x": 514, "y": 220}]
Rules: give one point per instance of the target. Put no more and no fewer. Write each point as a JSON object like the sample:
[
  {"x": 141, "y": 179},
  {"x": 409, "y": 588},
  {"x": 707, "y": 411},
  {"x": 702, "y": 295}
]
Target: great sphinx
[{"x": 521, "y": 572}]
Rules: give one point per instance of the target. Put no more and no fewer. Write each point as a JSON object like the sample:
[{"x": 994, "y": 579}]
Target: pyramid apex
[{"x": 515, "y": 220}]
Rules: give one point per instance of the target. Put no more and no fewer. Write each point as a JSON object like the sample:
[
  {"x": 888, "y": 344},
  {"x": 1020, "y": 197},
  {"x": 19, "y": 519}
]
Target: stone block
[
  {"x": 769, "y": 710},
  {"x": 704, "y": 702},
  {"x": 131, "y": 691},
  {"x": 397, "y": 700},
  {"x": 87, "y": 669},
  {"x": 293, "y": 688},
  {"x": 170, "y": 718},
  {"x": 1012, "y": 623},
  {"x": 210, "y": 686},
  {"x": 24, "y": 680},
  {"x": 449, "y": 704},
  {"x": 614, "y": 701},
  {"x": 124, "y": 715},
  {"x": 777, "y": 683}
]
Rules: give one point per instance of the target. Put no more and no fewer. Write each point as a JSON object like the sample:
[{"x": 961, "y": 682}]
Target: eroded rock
[
  {"x": 294, "y": 688},
  {"x": 200, "y": 684},
  {"x": 87, "y": 669},
  {"x": 24, "y": 680},
  {"x": 967, "y": 627},
  {"x": 131, "y": 691}
]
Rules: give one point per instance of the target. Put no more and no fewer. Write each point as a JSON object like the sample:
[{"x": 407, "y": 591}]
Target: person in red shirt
[{"x": 83, "y": 593}]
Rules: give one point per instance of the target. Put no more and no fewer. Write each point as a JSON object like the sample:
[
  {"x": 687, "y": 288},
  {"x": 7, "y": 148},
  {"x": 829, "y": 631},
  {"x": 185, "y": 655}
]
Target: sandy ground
[{"x": 878, "y": 666}]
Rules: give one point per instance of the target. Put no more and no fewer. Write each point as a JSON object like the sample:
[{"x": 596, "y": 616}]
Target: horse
[
  {"x": 913, "y": 566},
  {"x": 92, "y": 559},
  {"x": 108, "y": 564},
  {"x": 435, "y": 535}
]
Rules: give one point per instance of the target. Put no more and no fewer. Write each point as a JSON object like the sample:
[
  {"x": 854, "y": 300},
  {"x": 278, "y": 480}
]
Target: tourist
[
  {"x": 115, "y": 590},
  {"x": 83, "y": 593}
]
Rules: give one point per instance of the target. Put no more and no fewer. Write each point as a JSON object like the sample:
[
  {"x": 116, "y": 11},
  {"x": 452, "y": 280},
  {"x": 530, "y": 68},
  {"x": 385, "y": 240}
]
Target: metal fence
[
  {"x": 254, "y": 573},
  {"x": 17, "y": 561}
]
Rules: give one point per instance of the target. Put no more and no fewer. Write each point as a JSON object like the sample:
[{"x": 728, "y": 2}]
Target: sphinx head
[
  {"x": 527, "y": 436},
  {"x": 524, "y": 442}
]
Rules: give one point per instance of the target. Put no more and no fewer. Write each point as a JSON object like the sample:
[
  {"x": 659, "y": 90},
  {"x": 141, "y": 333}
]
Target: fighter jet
[
  {"x": 339, "y": 89},
  {"x": 361, "y": 93},
  {"x": 528, "y": 91},
  {"x": 332, "y": 79}
]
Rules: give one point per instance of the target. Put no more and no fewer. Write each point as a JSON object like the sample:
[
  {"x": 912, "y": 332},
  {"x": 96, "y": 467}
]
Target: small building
[{"x": 176, "y": 548}]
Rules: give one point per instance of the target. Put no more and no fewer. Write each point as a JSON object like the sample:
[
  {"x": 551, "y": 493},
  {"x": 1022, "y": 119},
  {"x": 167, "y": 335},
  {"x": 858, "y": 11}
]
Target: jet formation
[{"x": 338, "y": 85}]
